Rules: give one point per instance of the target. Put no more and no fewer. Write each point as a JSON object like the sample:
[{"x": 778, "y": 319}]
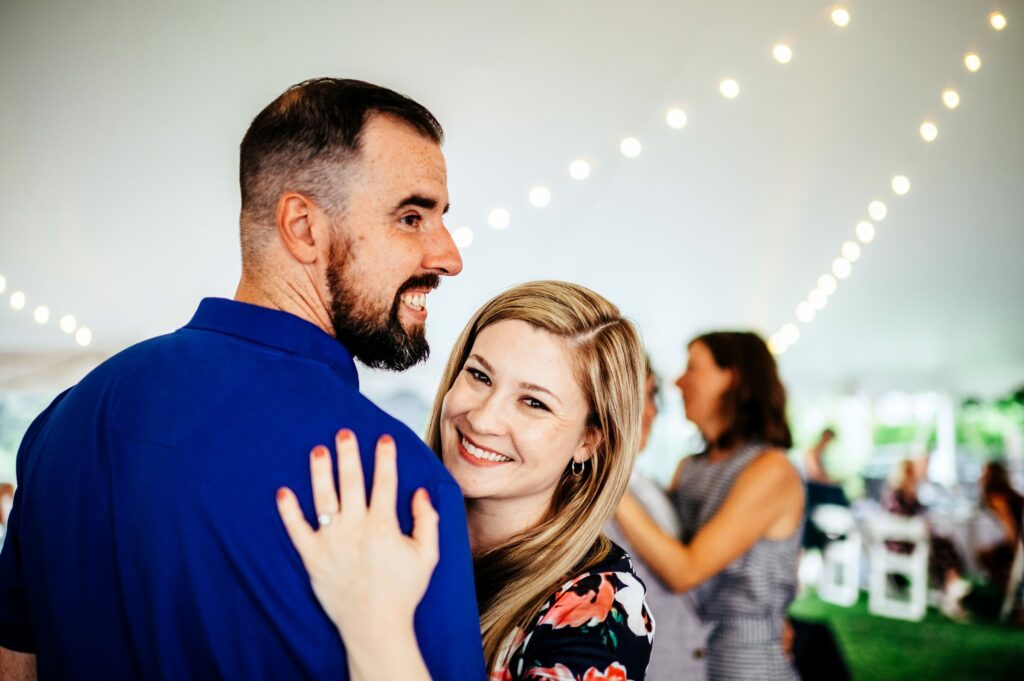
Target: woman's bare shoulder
[{"x": 771, "y": 468}]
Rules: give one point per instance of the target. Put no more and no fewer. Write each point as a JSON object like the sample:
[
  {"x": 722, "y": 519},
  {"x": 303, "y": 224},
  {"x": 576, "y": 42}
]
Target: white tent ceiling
[{"x": 121, "y": 121}]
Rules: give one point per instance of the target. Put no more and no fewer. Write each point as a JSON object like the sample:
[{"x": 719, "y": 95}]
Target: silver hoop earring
[{"x": 577, "y": 471}]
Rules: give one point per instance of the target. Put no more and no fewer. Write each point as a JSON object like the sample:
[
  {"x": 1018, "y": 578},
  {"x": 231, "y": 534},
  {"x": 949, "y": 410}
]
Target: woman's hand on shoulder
[{"x": 368, "y": 576}]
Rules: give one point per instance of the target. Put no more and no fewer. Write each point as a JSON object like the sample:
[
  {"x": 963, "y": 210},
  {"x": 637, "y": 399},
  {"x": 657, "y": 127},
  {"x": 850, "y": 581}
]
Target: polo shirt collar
[{"x": 276, "y": 329}]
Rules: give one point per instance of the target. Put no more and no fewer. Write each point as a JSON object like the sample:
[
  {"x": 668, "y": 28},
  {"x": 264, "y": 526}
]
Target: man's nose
[{"x": 442, "y": 255}]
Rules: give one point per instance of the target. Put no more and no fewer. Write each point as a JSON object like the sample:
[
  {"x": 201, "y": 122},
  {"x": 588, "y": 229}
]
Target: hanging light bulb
[
  {"x": 630, "y": 147},
  {"x": 929, "y": 131},
  {"x": 540, "y": 197},
  {"x": 782, "y": 53},
  {"x": 841, "y": 17},
  {"x": 865, "y": 232},
  {"x": 499, "y": 218},
  {"x": 463, "y": 237},
  {"x": 900, "y": 185},
  {"x": 676, "y": 119},
  {"x": 579, "y": 169}
]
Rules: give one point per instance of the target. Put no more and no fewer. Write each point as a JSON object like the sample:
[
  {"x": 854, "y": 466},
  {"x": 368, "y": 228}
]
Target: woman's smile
[{"x": 477, "y": 455}]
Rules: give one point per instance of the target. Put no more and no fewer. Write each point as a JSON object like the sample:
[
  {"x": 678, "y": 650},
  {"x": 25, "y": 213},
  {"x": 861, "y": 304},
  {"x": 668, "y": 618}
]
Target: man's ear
[
  {"x": 592, "y": 439},
  {"x": 299, "y": 223}
]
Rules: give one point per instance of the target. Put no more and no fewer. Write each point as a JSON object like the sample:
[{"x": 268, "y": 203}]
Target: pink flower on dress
[
  {"x": 573, "y": 609},
  {"x": 615, "y": 672}
]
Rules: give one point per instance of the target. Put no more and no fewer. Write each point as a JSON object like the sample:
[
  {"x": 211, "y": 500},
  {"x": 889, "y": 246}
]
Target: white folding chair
[
  {"x": 885, "y": 596},
  {"x": 839, "y": 580}
]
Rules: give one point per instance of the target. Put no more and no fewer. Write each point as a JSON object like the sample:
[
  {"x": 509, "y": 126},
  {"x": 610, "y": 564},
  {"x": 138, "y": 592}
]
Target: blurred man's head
[
  {"x": 6, "y": 500},
  {"x": 651, "y": 388},
  {"x": 344, "y": 188}
]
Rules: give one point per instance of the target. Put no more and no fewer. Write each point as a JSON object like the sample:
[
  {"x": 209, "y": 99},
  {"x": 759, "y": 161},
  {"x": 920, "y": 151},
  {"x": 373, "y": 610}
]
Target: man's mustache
[{"x": 428, "y": 281}]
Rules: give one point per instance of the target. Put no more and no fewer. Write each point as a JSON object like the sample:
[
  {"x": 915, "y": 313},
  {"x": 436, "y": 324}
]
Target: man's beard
[{"x": 373, "y": 334}]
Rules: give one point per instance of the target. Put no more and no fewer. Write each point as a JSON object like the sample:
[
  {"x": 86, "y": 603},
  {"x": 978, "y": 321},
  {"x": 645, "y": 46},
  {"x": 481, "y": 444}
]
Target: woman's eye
[
  {"x": 535, "y": 404},
  {"x": 411, "y": 220},
  {"x": 479, "y": 376}
]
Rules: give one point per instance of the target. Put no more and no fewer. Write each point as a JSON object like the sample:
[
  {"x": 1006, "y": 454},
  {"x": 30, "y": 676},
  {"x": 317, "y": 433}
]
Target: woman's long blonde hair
[{"x": 514, "y": 580}]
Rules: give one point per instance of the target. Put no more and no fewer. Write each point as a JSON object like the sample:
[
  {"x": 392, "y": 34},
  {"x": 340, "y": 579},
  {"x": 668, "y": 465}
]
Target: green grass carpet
[{"x": 879, "y": 649}]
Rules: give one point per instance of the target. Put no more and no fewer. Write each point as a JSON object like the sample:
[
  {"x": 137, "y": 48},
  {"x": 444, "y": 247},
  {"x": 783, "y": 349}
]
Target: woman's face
[
  {"x": 703, "y": 385},
  {"x": 515, "y": 417}
]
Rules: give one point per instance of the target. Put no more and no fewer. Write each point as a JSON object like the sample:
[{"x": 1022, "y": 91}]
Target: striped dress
[{"x": 746, "y": 602}]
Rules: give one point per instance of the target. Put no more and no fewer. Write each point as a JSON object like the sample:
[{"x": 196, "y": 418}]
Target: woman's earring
[{"x": 577, "y": 471}]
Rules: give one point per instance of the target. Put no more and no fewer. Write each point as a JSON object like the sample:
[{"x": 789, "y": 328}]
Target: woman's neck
[
  {"x": 494, "y": 522},
  {"x": 712, "y": 429},
  {"x": 718, "y": 452}
]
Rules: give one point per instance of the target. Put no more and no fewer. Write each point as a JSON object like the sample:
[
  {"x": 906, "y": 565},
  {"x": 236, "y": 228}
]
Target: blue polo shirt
[{"x": 145, "y": 542}]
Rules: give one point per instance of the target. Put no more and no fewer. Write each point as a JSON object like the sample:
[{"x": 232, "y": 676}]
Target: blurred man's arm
[{"x": 15, "y": 666}]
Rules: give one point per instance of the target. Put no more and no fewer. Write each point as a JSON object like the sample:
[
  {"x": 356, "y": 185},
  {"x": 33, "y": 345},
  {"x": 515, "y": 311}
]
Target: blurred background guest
[
  {"x": 6, "y": 500},
  {"x": 679, "y": 646},
  {"x": 1000, "y": 498},
  {"x": 821, "y": 488},
  {"x": 740, "y": 504},
  {"x": 945, "y": 565},
  {"x": 814, "y": 459}
]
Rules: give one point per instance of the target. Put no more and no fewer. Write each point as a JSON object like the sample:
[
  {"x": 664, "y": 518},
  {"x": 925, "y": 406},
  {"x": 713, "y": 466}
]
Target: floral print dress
[{"x": 595, "y": 627}]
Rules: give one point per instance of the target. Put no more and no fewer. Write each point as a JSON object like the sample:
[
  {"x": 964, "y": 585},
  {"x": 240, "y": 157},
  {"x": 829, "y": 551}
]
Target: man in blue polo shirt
[{"x": 145, "y": 541}]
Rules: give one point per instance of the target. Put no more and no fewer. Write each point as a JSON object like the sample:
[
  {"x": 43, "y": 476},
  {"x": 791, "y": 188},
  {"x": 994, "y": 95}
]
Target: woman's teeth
[
  {"x": 417, "y": 301},
  {"x": 483, "y": 453}
]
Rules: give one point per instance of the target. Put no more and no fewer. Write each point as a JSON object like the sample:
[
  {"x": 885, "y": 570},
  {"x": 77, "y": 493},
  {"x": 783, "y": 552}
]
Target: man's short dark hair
[{"x": 302, "y": 139}]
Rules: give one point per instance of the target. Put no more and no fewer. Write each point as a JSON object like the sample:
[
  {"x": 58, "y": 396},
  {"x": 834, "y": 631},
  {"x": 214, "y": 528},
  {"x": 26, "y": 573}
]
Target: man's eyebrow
[{"x": 420, "y": 201}]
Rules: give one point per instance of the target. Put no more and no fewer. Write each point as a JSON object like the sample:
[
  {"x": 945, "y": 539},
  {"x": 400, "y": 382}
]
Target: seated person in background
[
  {"x": 945, "y": 566},
  {"x": 1007, "y": 504},
  {"x": 814, "y": 464},
  {"x": 679, "y": 646}
]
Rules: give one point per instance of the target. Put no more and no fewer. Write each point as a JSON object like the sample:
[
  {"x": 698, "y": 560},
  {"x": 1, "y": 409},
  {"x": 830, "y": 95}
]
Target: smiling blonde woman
[{"x": 538, "y": 419}]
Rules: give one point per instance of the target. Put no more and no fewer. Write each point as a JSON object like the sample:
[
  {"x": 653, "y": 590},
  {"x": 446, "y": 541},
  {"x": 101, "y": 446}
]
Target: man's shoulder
[
  {"x": 371, "y": 421},
  {"x": 159, "y": 351},
  {"x": 213, "y": 382}
]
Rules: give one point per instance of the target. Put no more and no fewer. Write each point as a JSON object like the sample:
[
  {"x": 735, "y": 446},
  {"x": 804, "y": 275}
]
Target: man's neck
[{"x": 285, "y": 297}]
